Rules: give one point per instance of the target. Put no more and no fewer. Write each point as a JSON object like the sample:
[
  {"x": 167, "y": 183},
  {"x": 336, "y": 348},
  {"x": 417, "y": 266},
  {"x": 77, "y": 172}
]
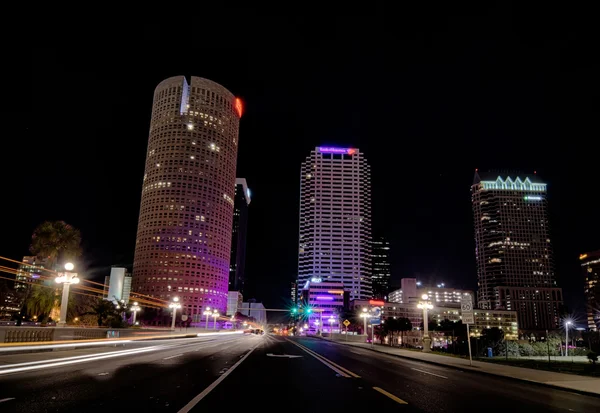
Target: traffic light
[
  {"x": 309, "y": 310},
  {"x": 294, "y": 310}
]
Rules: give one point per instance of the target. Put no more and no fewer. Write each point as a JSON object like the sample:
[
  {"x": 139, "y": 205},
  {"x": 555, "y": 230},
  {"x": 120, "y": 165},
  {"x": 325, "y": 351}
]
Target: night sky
[{"x": 428, "y": 98}]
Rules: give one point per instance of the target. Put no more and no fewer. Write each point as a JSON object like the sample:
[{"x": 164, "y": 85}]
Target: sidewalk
[{"x": 580, "y": 384}]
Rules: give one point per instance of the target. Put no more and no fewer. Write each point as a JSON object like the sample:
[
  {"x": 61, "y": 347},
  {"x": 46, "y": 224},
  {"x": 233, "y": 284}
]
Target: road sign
[
  {"x": 466, "y": 309},
  {"x": 346, "y": 323},
  {"x": 376, "y": 311},
  {"x": 375, "y": 321}
]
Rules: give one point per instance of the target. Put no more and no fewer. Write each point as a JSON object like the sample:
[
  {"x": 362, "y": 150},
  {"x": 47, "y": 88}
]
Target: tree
[
  {"x": 57, "y": 241},
  {"x": 493, "y": 337},
  {"x": 40, "y": 301},
  {"x": 404, "y": 324},
  {"x": 104, "y": 311}
]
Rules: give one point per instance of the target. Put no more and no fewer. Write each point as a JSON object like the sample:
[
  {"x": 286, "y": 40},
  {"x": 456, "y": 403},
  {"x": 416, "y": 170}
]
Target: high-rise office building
[
  {"x": 237, "y": 261},
  {"x": 183, "y": 242},
  {"x": 515, "y": 266},
  {"x": 380, "y": 259},
  {"x": 590, "y": 265},
  {"x": 117, "y": 285},
  {"x": 30, "y": 271},
  {"x": 335, "y": 220}
]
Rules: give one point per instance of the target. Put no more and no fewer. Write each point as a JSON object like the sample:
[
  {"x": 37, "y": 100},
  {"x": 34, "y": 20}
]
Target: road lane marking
[
  {"x": 335, "y": 367},
  {"x": 289, "y": 356},
  {"x": 7, "y": 399},
  {"x": 329, "y": 361},
  {"x": 390, "y": 395},
  {"x": 214, "y": 384},
  {"x": 172, "y": 357},
  {"x": 102, "y": 374},
  {"x": 433, "y": 374}
]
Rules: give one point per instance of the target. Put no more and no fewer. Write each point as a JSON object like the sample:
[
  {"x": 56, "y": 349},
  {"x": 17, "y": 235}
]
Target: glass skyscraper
[{"x": 515, "y": 265}]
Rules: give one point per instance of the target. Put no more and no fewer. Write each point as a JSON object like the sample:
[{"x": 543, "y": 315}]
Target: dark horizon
[{"x": 427, "y": 104}]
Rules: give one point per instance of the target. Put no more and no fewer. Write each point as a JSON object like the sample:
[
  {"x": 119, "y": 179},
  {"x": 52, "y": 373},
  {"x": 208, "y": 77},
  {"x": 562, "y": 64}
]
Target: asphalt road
[{"x": 247, "y": 373}]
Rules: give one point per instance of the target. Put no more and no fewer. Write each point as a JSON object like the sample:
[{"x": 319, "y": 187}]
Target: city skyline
[{"x": 426, "y": 125}]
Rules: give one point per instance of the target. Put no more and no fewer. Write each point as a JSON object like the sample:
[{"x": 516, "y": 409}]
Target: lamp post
[
  {"x": 317, "y": 324},
  {"x": 331, "y": 321},
  {"x": 207, "y": 313},
  {"x": 135, "y": 308},
  {"x": 66, "y": 279},
  {"x": 364, "y": 315},
  {"x": 174, "y": 305},
  {"x": 215, "y": 314},
  {"x": 425, "y": 304},
  {"x": 567, "y": 324}
]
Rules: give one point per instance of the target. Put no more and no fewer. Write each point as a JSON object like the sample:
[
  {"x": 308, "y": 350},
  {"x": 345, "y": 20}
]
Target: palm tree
[
  {"x": 40, "y": 301},
  {"x": 57, "y": 241}
]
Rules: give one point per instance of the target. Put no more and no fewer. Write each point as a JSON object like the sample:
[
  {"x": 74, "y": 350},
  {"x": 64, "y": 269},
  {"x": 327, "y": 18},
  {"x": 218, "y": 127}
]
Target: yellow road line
[
  {"x": 390, "y": 395},
  {"x": 315, "y": 354}
]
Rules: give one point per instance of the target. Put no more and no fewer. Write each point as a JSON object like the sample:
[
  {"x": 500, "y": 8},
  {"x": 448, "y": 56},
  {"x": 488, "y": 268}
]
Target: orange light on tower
[{"x": 238, "y": 106}]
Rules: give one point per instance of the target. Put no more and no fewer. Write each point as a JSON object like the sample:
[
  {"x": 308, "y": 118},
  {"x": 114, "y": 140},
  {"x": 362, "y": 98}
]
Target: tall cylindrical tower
[{"x": 184, "y": 230}]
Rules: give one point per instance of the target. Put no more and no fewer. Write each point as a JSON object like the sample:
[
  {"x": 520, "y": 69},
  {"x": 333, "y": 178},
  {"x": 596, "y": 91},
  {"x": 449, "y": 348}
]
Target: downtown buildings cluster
[{"x": 193, "y": 219}]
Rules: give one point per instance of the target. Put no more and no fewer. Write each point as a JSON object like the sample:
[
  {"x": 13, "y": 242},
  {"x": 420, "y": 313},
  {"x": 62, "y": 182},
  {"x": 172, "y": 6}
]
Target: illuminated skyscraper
[
  {"x": 380, "y": 260},
  {"x": 335, "y": 220},
  {"x": 237, "y": 264},
  {"x": 515, "y": 266},
  {"x": 184, "y": 231},
  {"x": 590, "y": 265}
]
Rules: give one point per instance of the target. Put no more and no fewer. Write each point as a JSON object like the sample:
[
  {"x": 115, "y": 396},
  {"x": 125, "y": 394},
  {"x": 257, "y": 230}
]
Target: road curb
[{"x": 473, "y": 370}]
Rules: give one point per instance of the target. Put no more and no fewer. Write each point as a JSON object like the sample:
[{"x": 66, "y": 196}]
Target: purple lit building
[
  {"x": 327, "y": 300},
  {"x": 335, "y": 220},
  {"x": 183, "y": 242}
]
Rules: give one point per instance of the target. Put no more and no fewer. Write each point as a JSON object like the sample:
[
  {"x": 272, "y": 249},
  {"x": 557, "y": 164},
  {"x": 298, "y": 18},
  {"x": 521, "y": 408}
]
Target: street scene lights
[
  {"x": 425, "y": 304},
  {"x": 66, "y": 279},
  {"x": 207, "y": 313},
  {"x": 174, "y": 305},
  {"x": 331, "y": 321},
  {"x": 364, "y": 315},
  {"x": 567, "y": 324},
  {"x": 135, "y": 308},
  {"x": 215, "y": 315}
]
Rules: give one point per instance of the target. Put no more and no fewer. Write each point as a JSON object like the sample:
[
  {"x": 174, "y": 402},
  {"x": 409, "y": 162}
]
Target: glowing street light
[
  {"x": 215, "y": 315},
  {"x": 567, "y": 324},
  {"x": 174, "y": 305},
  {"x": 66, "y": 279},
  {"x": 135, "y": 308},
  {"x": 425, "y": 304},
  {"x": 207, "y": 313},
  {"x": 364, "y": 315},
  {"x": 331, "y": 321}
]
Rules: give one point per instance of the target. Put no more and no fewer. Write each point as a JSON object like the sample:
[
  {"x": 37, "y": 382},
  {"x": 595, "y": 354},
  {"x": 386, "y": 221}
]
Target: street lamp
[
  {"x": 174, "y": 305},
  {"x": 425, "y": 304},
  {"x": 567, "y": 324},
  {"x": 317, "y": 324},
  {"x": 135, "y": 308},
  {"x": 331, "y": 321},
  {"x": 207, "y": 313},
  {"x": 215, "y": 314},
  {"x": 364, "y": 315},
  {"x": 66, "y": 279}
]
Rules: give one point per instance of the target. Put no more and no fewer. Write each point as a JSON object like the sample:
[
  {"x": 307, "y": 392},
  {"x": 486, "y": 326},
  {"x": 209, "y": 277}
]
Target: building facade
[
  {"x": 326, "y": 301},
  {"x": 381, "y": 270},
  {"x": 335, "y": 220},
  {"x": 117, "y": 286},
  {"x": 183, "y": 243},
  {"x": 255, "y": 310},
  {"x": 237, "y": 261},
  {"x": 590, "y": 266},
  {"x": 30, "y": 271},
  {"x": 440, "y": 295},
  {"x": 515, "y": 263},
  {"x": 234, "y": 302}
]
